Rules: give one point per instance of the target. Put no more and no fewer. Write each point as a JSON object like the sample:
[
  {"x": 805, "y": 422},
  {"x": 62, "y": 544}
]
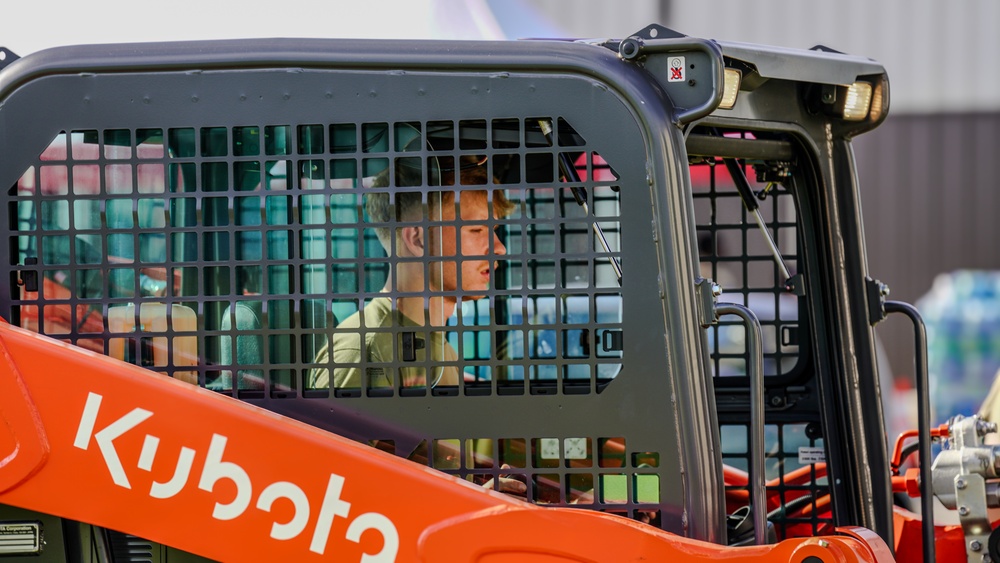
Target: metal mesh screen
[
  {"x": 237, "y": 258},
  {"x": 232, "y": 256},
  {"x": 735, "y": 253}
]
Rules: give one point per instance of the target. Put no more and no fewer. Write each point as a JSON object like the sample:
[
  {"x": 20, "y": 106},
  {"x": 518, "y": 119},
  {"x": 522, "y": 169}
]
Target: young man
[{"x": 433, "y": 266}]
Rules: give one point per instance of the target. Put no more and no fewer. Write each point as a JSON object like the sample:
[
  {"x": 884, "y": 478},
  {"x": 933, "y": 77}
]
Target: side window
[
  {"x": 478, "y": 256},
  {"x": 736, "y": 253}
]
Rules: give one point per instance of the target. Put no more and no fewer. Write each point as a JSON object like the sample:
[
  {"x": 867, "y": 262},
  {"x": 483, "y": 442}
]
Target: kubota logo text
[{"x": 215, "y": 469}]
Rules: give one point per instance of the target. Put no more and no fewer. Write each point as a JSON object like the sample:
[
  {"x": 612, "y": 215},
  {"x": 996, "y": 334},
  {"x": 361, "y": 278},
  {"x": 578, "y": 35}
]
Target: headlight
[
  {"x": 858, "y": 101},
  {"x": 730, "y": 88}
]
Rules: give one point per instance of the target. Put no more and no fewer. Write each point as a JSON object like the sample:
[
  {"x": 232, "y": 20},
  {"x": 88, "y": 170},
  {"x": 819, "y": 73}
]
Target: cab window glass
[{"x": 244, "y": 258}]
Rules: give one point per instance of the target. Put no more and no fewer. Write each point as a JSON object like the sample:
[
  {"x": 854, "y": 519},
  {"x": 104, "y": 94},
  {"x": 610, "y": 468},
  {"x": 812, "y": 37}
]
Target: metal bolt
[
  {"x": 716, "y": 290},
  {"x": 630, "y": 48},
  {"x": 824, "y": 543},
  {"x": 960, "y": 484},
  {"x": 975, "y": 545},
  {"x": 983, "y": 428},
  {"x": 963, "y": 511}
]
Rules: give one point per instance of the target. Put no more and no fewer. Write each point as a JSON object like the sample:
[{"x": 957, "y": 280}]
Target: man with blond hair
[{"x": 433, "y": 264}]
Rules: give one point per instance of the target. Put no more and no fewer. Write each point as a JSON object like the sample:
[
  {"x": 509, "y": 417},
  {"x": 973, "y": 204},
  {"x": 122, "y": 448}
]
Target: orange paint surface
[{"x": 100, "y": 441}]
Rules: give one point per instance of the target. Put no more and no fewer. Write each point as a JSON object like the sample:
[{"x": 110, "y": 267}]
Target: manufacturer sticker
[{"x": 20, "y": 538}]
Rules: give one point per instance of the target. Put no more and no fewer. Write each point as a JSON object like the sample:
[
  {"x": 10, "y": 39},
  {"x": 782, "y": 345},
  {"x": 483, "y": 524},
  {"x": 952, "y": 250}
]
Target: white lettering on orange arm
[{"x": 216, "y": 469}]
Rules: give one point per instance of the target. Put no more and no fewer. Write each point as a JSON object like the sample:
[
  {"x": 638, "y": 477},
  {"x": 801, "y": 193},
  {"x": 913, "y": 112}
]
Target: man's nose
[{"x": 498, "y": 247}]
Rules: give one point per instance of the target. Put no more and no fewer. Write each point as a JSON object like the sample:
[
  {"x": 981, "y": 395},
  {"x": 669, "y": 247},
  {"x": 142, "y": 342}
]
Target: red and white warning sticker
[{"x": 675, "y": 71}]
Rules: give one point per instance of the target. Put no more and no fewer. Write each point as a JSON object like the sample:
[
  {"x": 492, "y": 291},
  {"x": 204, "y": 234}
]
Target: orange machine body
[{"x": 93, "y": 439}]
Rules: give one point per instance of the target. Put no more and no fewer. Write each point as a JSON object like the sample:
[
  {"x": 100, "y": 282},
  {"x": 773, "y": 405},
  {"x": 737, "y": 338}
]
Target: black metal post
[{"x": 923, "y": 421}]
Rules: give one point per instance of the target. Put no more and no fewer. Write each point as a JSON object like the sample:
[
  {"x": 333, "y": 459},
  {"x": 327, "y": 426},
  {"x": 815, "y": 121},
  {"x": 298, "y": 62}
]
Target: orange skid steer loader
[{"x": 452, "y": 301}]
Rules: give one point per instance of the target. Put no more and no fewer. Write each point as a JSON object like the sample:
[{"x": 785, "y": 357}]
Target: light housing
[
  {"x": 857, "y": 102},
  {"x": 877, "y": 101},
  {"x": 730, "y": 87}
]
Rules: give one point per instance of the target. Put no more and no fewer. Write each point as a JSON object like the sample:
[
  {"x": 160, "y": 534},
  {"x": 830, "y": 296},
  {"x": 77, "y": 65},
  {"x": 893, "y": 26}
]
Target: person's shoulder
[
  {"x": 353, "y": 321},
  {"x": 378, "y": 312}
]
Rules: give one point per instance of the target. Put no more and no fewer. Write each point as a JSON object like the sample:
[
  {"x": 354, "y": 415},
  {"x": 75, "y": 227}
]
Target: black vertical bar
[{"x": 923, "y": 422}]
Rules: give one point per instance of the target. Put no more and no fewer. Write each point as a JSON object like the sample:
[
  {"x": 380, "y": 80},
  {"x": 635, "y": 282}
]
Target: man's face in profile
[{"x": 476, "y": 240}]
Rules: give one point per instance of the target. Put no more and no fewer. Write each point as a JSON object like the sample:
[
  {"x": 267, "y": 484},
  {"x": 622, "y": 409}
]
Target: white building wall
[
  {"x": 600, "y": 18},
  {"x": 940, "y": 56}
]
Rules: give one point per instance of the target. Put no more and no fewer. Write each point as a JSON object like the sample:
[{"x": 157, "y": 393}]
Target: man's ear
[{"x": 413, "y": 240}]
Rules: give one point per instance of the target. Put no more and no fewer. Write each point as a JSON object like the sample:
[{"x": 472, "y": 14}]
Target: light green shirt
[{"x": 383, "y": 326}]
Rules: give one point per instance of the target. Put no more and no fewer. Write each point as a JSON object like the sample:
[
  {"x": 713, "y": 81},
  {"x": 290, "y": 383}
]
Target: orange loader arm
[{"x": 90, "y": 438}]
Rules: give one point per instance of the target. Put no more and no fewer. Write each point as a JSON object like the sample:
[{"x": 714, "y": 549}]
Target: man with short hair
[{"x": 432, "y": 267}]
